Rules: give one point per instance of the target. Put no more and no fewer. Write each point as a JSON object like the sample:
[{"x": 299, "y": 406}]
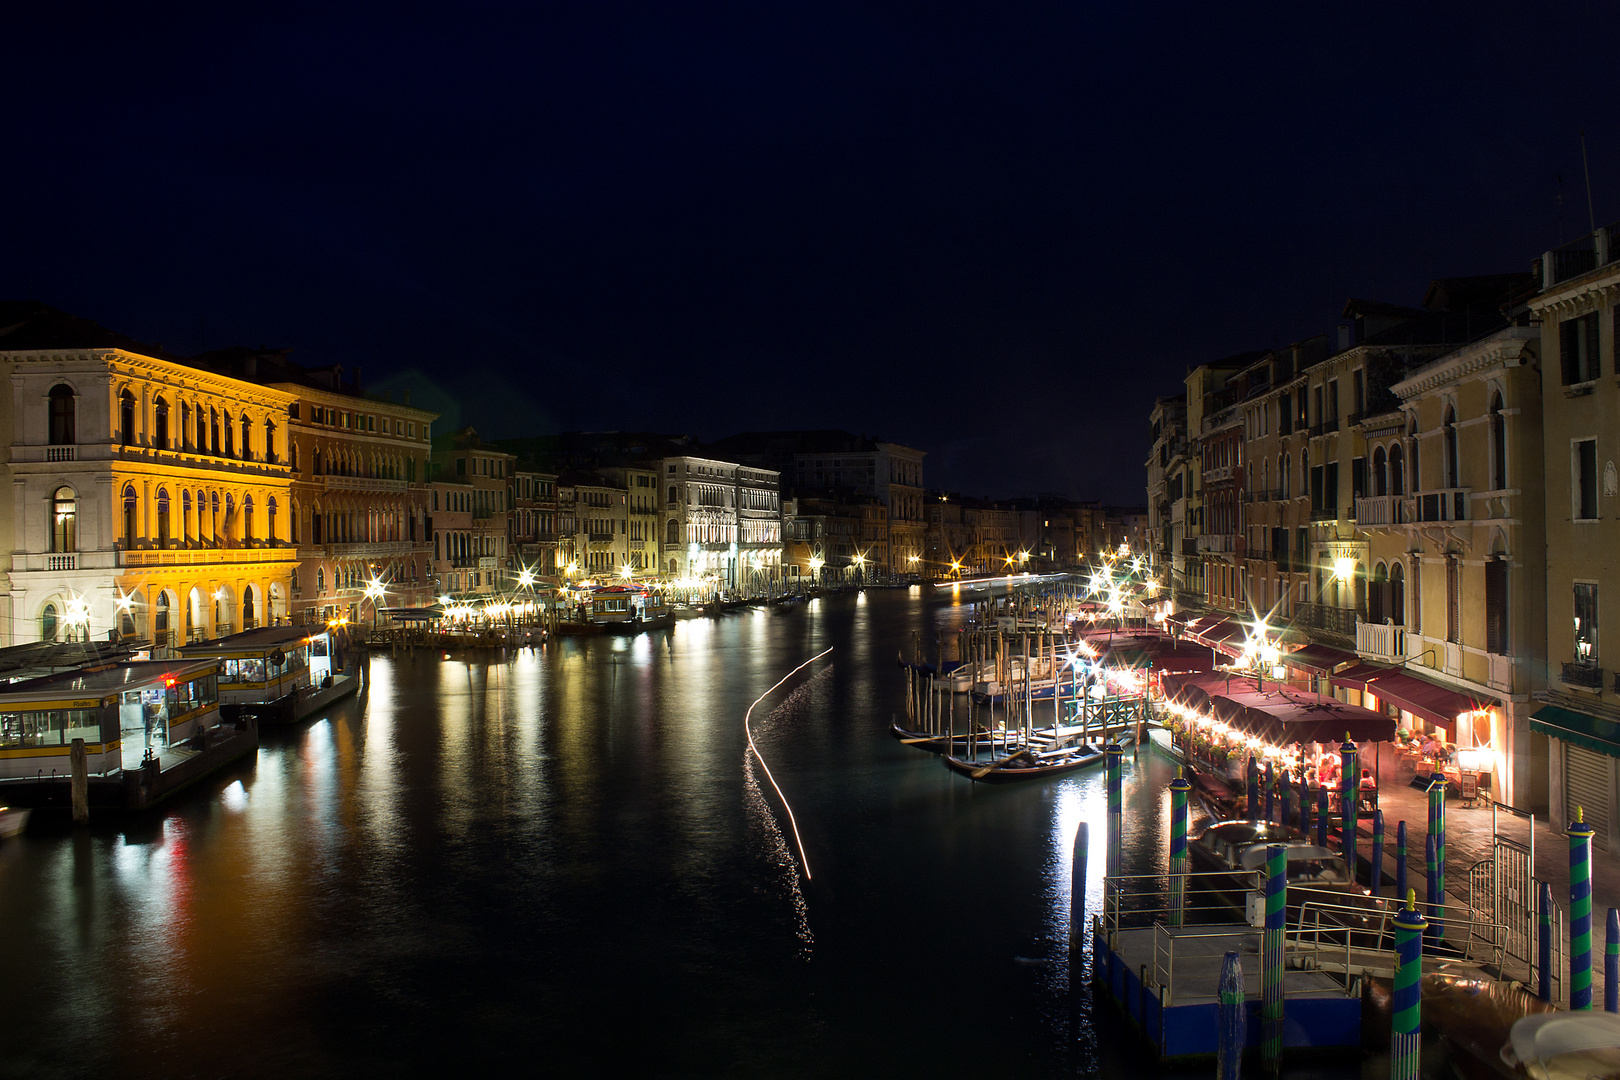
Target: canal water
[{"x": 564, "y": 859}]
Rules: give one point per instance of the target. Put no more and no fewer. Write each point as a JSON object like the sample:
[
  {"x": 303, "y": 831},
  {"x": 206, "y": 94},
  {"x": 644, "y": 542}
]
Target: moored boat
[
  {"x": 1025, "y": 765},
  {"x": 13, "y": 821}
]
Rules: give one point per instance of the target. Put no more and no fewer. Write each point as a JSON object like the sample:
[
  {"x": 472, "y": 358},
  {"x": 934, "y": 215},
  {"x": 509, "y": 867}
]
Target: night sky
[{"x": 994, "y": 231}]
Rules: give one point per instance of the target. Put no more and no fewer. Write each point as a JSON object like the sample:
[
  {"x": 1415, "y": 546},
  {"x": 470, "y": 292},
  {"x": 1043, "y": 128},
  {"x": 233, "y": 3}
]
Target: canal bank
[{"x": 494, "y": 865}]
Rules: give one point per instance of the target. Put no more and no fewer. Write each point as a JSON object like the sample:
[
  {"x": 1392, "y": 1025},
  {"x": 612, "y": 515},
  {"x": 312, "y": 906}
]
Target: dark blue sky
[{"x": 994, "y": 231}]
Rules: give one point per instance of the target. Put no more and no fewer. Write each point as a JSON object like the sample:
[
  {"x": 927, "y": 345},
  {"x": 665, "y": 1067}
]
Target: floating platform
[{"x": 1166, "y": 980}]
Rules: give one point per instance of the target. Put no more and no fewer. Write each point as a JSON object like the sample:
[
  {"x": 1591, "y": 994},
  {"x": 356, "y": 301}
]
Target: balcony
[
  {"x": 1581, "y": 256},
  {"x": 1442, "y": 504},
  {"x": 363, "y": 483},
  {"x": 1219, "y": 475},
  {"x": 61, "y": 562},
  {"x": 1383, "y": 641},
  {"x": 1329, "y": 426},
  {"x": 1324, "y": 513},
  {"x": 1579, "y": 674},
  {"x": 1324, "y": 617},
  {"x": 1218, "y": 543},
  {"x": 1385, "y": 510},
  {"x": 59, "y": 453}
]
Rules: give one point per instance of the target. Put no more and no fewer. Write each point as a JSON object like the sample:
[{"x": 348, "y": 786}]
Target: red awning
[
  {"x": 1434, "y": 702},
  {"x": 1323, "y": 659}
]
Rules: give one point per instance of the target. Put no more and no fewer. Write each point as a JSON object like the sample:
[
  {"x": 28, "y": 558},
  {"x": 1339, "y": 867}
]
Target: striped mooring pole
[
  {"x": 1179, "y": 787},
  {"x": 1348, "y": 791},
  {"x": 1114, "y": 764},
  {"x": 1251, "y": 778},
  {"x": 1400, "y": 859},
  {"x": 1437, "y": 899},
  {"x": 1580, "y": 913},
  {"x": 1232, "y": 1023},
  {"x": 1321, "y": 816},
  {"x": 1271, "y": 959},
  {"x": 1377, "y": 868},
  {"x": 1437, "y": 829},
  {"x": 1406, "y": 1020},
  {"x": 1077, "y": 893},
  {"x": 1271, "y": 793},
  {"x": 1285, "y": 790},
  {"x": 1611, "y": 963},
  {"x": 1544, "y": 946}
]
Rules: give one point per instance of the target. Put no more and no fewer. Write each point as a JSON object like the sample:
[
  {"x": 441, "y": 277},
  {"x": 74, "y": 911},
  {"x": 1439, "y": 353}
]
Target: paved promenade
[{"x": 1468, "y": 841}]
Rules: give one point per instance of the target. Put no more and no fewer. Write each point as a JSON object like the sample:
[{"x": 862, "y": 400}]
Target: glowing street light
[
  {"x": 526, "y": 577},
  {"x": 625, "y": 571}
]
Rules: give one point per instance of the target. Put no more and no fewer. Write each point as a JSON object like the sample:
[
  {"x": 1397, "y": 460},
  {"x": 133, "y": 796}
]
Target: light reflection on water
[{"x": 562, "y": 857}]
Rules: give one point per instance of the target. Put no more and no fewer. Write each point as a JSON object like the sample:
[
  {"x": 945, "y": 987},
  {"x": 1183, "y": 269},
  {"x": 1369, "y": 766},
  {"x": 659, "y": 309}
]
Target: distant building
[{"x": 482, "y": 473}]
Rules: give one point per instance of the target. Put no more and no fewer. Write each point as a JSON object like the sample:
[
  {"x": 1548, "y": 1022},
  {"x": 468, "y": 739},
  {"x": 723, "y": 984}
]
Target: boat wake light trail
[{"x": 749, "y": 732}]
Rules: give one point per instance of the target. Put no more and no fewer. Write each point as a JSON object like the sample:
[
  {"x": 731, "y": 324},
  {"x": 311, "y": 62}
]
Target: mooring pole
[
  {"x": 1406, "y": 1017},
  {"x": 1251, "y": 774},
  {"x": 1232, "y": 1025},
  {"x": 1437, "y": 897},
  {"x": 1348, "y": 792},
  {"x": 1179, "y": 787},
  {"x": 1113, "y": 766},
  {"x": 1271, "y": 959},
  {"x": 79, "y": 762},
  {"x": 1437, "y": 829},
  {"x": 1376, "y": 871},
  {"x": 1400, "y": 859},
  {"x": 1611, "y": 963},
  {"x": 1580, "y": 913},
  {"x": 1077, "y": 895}
]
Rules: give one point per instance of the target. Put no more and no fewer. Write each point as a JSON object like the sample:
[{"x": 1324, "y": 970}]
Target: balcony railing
[
  {"x": 59, "y": 453},
  {"x": 1325, "y": 513},
  {"x": 1334, "y": 620},
  {"x": 1578, "y": 674},
  {"x": 1325, "y": 427},
  {"x": 61, "y": 562},
  {"x": 1373, "y": 510},
  {"x": 1217, "y": 542},
  {"x": 1218, "y": 475},
  {"x": 1443, "y": 504},
  {"x": 1381, "y": 640}
]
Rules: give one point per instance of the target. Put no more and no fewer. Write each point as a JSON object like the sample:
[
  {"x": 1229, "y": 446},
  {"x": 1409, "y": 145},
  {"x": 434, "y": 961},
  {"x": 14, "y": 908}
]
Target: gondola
[
  {"x": 938, "y": 744},
  {"x": 1024, "y": 765}
]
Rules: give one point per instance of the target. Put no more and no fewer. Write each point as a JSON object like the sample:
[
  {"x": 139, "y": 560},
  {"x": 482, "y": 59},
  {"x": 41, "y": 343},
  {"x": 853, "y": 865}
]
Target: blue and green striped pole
[
  {"x": 1271, "y": 959},
  {"x": 1232, "y": 1031},
  {"x": 1406, "y": 1024},
  {"x": 1285, "y": 791},
  {"x": 1377, "y": 874},
  {"x": 1437, "y": 898},
  {"x": 1321, "y": 816},
  {"x": 1580, "y": 913},
  {"x": 1113, "y": 766},
  {"x": 1179, "y": 787},
  {"x": 1401, "y": 856},
  {"x": 1437, "y": 829},
  {"x": 1611, "y": 963},
  {"x": 1544, "y": 946},
  {"x": 1347, "y": 803},
  {"x": 1271, "y": 793}
]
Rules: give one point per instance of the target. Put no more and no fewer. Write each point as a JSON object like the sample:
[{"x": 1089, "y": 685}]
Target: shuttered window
[
  {"x": 1587, "y": 785},
  {"x": 1496, "y": 628}
]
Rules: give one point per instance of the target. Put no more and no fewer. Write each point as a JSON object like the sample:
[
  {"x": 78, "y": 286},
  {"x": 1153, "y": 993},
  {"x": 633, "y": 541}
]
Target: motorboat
[
  {"x": 1234, "y": 852},
  {"x": 13, "y": 821}
]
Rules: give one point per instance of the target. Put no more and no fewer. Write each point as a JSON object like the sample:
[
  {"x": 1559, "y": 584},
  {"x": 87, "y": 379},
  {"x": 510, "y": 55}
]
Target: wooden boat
[
  {"x": 1025, "y": 765},
  {"x": 13, "y": 822},
  {"x": 939, "y": 744}
]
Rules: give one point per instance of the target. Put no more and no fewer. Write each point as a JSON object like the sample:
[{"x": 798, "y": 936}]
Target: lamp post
[{"x": 374, "y": 592}]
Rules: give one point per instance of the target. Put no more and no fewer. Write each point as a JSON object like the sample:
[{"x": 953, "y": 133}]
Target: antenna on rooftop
[{"x": 1591, "y": 215}]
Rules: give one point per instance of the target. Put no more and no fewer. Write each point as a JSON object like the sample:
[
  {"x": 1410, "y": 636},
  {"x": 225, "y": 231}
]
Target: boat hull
[{"x": 999, "y": 772}]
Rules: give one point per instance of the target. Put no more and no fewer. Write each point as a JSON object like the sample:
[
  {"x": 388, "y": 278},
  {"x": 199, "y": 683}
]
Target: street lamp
[{"x": 374, "y": 592}]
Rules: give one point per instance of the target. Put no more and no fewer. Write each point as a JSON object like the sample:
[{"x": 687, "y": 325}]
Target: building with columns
[{"x": 151, "y": 498}]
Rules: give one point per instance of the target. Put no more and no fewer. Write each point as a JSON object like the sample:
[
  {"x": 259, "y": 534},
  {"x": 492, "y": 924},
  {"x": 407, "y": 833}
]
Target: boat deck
[{"x": 1195, "y": 973}]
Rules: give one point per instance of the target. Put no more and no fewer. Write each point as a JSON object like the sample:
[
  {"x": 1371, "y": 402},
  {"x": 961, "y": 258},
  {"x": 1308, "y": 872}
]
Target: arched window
[
  {"x": 1397, "y": 595},
  {"x": 672, "y": 533},
  {"x": 126, "y": 418},
  {"x": 185, "y": 518},
  {"x": 160, "y": 618},
  {"x": 129, "y": 517},
  {"x": 1414, "y": 479},
  {"x": 163, "y": 517},
  {"x": 213, "y": 516},
  {"x": 1397, "y": 470},
  {"x": 47, "y": 623},
  {"x": 270, "y": 521},
  {"x": 213, "y": 432},
  {"x": 64, "y": 520},
  {"x": 674, "y": 494},
  {"x": 315, "y": 461},
  {"x": 1448, "y": 440},
  {"x": 183, "y": 442},
  {"x": 1380, "y": 477},
  {"x": 247, "y": 521},
  {"x": 269, "y": 440},
  {"x": 1286, "y": 475},
  {"x": 247, "y": 608},
  {"x": 320, "y": 579},
  {"x": 247, "y": 438},
  {"x": 160, "y": 424},
  {"x": 1499, "y": 476},
  {"x": 63, "y": 429},
  {"x": 292, "y": 451}
]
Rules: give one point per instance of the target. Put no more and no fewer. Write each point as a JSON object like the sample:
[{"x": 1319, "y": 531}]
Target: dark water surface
[{"x": 565, "y": 861}]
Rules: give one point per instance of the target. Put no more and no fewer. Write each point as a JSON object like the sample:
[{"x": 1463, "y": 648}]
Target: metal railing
[
  {"x": 1364, "y": 934},
  {"x": 1383, "y": 510},
  {"x": 1139, "y": 901},
  {"x": 1579, "y": 674}
]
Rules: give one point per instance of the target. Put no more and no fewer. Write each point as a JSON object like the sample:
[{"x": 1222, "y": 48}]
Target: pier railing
[
  {"x": 1364, "y": 935},
  {"x": 1140, "y": 901}
]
